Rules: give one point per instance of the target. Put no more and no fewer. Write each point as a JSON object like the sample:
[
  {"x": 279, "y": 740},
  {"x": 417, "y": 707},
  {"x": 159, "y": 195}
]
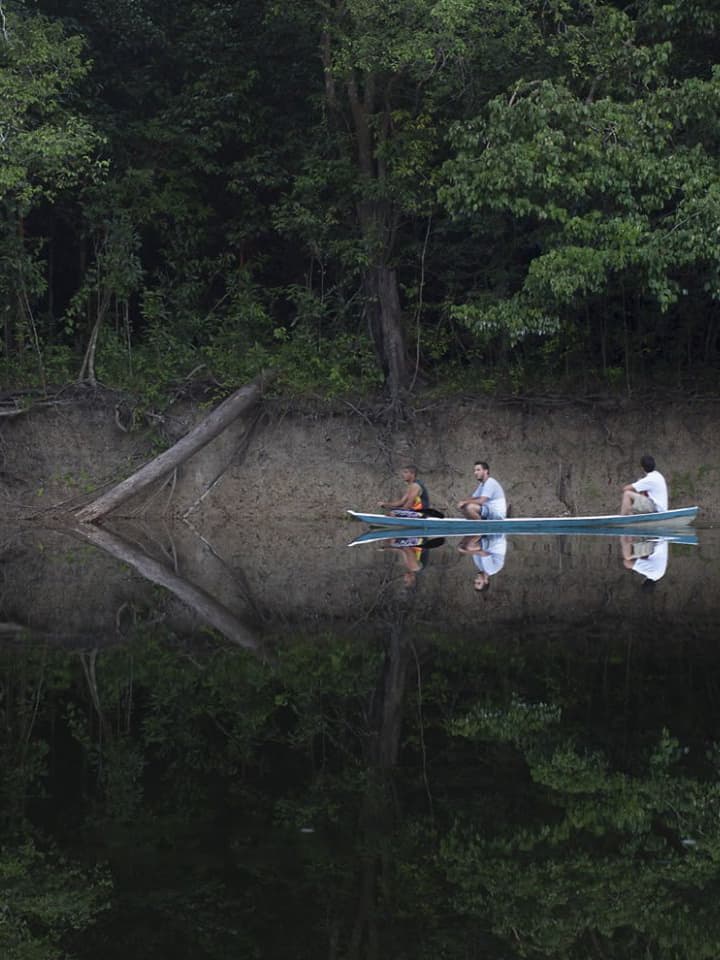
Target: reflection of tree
[
  {"x": 44, "y": 900},
  {"x": 208, "y": 608},
  {"x": 45, "y": 895},
  {"x": 600, "y": 863},
  {"x": 353, "y": 800},
  {"x": 378, "y": 813}
]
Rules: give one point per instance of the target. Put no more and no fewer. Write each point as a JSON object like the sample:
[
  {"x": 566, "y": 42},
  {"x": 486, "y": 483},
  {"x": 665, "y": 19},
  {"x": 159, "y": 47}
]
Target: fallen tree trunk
[{"x": 205, "y": 431}]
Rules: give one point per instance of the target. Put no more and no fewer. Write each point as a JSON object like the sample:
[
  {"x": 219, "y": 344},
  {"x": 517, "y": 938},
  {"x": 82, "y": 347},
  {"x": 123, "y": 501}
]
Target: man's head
[
  {"x": 481, "y": 470},
  {"x": 482, "y": 581},
  {"x": 409, "y": 472},
  {"x": 647, "y": 463}
]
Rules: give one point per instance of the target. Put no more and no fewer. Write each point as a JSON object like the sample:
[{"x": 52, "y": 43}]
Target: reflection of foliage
[
  {"x": 224, "y": 791},
  {"x": 44, "y": 898},
  {"x": 602, "y": 864},
  {"x": 513, "y": 724}
]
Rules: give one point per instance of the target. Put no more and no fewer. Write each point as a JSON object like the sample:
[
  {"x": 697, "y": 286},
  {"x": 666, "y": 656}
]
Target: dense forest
[{"x": 360, "y": 193}]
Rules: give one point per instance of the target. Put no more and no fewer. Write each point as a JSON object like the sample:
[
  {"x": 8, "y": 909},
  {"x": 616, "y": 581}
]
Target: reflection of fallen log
[
  {"x": 207, "y": 607},
  {"x": 13, "y": 629},
  {"x": 169, "y": 460}
]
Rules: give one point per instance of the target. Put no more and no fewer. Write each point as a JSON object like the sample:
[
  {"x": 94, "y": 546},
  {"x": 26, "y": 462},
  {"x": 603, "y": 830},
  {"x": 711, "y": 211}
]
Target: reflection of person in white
[
  {"x": 647, "y": 558},
  {"x": 648, "y": 494},
  {"x": 488, "y": 554}
]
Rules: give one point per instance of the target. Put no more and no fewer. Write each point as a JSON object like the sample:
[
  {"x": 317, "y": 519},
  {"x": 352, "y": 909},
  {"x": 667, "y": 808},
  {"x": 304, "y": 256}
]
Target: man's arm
[
  {"x": 480, "y": 500},
  {"x": 405, "y": 503}
]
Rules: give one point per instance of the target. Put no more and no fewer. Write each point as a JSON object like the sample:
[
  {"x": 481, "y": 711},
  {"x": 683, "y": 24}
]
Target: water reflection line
[
  {"x": 377, "y": 535},
  {"x": 206, "y": 606}
]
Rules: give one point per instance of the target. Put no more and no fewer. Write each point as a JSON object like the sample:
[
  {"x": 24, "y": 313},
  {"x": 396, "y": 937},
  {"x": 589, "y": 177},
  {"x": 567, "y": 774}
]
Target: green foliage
[
  {"x": 46, "y": 147},
  {"x": 218, "y": 186},
  {"x": 610, "y": 166},
  {"x": 45, "y": 898}
]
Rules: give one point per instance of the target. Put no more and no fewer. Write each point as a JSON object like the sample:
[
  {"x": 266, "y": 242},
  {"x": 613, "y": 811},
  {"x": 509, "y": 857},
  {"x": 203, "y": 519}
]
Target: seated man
[
  {"x": 649, "y": 494},
  {"x": 488, "y": 500},
  {"x": 414, "y": 502}
]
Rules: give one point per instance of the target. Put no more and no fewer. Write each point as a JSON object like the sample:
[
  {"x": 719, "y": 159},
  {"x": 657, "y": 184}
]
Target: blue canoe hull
[{"x": 440, "y": 527}]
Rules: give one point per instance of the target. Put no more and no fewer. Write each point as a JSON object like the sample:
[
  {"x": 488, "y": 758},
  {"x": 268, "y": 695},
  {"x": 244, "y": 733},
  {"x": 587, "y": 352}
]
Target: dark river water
[{"x": 268, "y": 743}]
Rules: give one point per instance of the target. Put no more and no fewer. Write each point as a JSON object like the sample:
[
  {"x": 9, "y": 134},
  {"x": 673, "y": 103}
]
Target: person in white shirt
[
  {"x": 649, "y": 494},
  {"x": 488, "y": 499}
]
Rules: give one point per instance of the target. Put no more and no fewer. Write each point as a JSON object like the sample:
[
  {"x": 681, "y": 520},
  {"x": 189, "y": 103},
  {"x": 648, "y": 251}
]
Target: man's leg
[
  {"x": 633, "y": 502},
  {"x": 475, "y": 511}
]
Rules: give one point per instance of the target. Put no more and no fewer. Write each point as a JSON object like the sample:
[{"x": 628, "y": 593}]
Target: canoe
[
  {"x": 447, "y": 526},
  {"x": 380, "y": 534}
]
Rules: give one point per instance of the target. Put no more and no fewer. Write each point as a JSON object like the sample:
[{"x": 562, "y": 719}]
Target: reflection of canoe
[
  {"x": 667, "y": 519},
  {"x": 378, "y": 534}
]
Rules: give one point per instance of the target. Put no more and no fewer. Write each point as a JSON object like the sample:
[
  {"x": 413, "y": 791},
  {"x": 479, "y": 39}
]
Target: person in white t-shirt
[
  {"x": 649, "y": 494},
  {"x": 488, "y": 499}
]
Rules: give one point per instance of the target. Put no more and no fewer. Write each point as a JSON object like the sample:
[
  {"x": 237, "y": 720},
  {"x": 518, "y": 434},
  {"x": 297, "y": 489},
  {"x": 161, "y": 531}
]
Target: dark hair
[
  {"x": 410, "y": 466},
  {"x": 483, "y": 464},
  {"x": 647, "y": 463}
]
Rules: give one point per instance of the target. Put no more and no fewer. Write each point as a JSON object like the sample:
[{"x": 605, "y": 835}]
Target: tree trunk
[
  {"x": 205, "y": 431},
  {"x": 377, "y": 218},
  {"x": 87, "y": 370},
  {"x": 385, "y": 321}
]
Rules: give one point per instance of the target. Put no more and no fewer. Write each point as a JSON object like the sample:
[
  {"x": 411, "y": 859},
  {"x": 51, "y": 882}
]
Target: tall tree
[
  {"x": 47, "y": 151},
  {"x": 609, "y": 167},
  {"x": 394, "y": 75}
]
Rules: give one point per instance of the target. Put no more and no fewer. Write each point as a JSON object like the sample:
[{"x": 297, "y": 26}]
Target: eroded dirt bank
[
  {"x": 552, "y": 458},
  {"x": 265, "y": 531}
]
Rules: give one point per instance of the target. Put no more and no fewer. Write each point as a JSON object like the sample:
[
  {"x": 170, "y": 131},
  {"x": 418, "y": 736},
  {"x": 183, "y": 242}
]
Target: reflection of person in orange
[
  {"x": 414, "y": 555},
  {"x": 488, "y": 554},
  {"x": 413, "y": 558},
  {"x": 649, "y": 558}
]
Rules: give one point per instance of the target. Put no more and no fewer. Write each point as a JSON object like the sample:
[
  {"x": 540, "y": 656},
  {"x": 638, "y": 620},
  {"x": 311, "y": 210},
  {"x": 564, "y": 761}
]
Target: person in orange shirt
[{"x": 415, "y": 501}]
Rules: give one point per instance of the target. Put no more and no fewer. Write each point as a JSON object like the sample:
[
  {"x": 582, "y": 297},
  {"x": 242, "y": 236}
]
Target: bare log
[{"x": 205, "y": 431}]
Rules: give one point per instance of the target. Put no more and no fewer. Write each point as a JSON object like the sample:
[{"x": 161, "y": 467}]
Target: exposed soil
[
  {"x": 552, "y": 458},
  {"x": 266, "y": 528}
]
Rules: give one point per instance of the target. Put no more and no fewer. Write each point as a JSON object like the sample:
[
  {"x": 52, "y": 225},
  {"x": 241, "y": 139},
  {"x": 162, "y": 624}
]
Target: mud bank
[
  {"x": 257, "y": 520},
  {"x": 552, "y": 458}
]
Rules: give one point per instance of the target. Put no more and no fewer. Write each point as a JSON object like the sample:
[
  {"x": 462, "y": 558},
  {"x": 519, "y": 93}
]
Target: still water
[{"x": 268, "y": 743}]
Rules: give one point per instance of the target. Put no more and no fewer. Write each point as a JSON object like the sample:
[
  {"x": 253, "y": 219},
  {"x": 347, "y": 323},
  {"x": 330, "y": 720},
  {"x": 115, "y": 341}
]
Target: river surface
[{"x": 267, "y": 742}]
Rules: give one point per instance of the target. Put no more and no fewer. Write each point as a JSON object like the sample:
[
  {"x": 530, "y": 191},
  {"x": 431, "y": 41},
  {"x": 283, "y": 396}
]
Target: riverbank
[{"x": 554, "y": 457}]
